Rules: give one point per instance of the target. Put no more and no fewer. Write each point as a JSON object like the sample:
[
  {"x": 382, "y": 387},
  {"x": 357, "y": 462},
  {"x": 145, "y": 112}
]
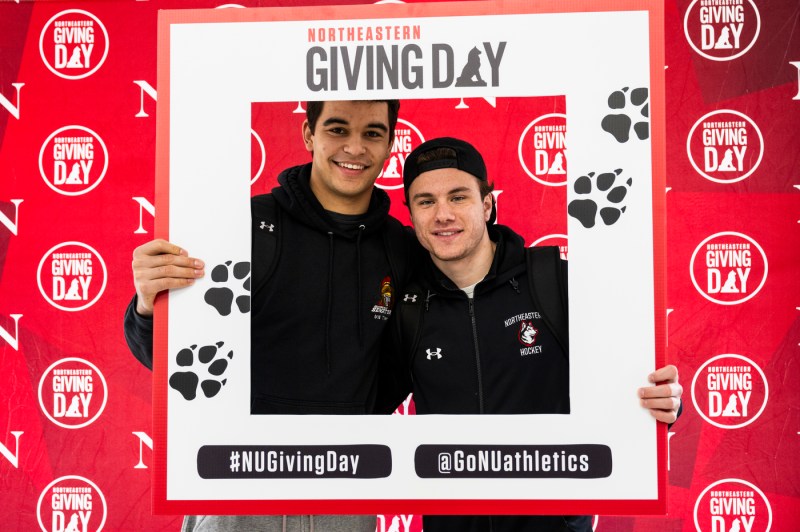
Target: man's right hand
[{"x": 159, "y": 265}]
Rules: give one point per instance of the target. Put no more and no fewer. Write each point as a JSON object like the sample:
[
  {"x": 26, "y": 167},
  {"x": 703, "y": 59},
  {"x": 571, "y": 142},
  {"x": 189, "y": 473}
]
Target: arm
[
  {"x": 157, "y": 266},
  {"x": 663, "y": 399}
]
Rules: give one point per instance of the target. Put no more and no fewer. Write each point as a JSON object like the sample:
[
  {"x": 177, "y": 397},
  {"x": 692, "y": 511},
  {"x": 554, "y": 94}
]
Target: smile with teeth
[
  {"x": 352, "y": 166},
  {"x": 446, "y": 233}
]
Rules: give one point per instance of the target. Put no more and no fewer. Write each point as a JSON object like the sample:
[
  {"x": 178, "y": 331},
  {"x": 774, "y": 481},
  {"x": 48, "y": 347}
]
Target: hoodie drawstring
[
  {"x": 514, "y": 285},
  {"x": 330, "y": 302},
  {"x": 358, "y": 284}
]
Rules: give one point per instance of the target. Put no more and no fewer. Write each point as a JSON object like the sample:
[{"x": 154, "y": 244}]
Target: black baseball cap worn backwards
[{"x": 467, "y": 159}]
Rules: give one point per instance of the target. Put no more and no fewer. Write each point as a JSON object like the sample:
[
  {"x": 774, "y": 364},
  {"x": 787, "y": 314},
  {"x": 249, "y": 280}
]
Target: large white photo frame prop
[{"x": 214, "y": 63}]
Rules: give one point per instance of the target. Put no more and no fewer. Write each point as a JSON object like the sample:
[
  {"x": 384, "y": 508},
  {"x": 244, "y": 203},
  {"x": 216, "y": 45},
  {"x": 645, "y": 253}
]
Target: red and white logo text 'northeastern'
[
  {"x": 73, "y": 160},
  {"x": 732, "y": 505},
  {"x": 730, "y": 391},
  {"x": 542, "y": 149},
  {"x": 406, "y": 138},
  {"x": 721, "y": 30},
  {"x": 725, "y": 146},
  {"x": 72, "y": 276},
  {"x": 728, "y": 268},
  {"x": 73, "y": 44},
  {"x": 71, "y": 504},
  {"x": 72, "y": 393}
]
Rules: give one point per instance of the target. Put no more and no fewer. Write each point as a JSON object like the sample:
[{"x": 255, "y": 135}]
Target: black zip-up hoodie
[
  {"x": 318, "y": 322},
  {"x": 492, "y": 354}
]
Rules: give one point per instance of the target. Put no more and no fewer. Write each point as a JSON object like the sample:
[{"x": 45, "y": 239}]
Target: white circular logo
[
  {"x": 730, "y": 391},
  {"x": 72, "y": 393},
  {"x": 542, "y": 149},
  {"x": 71, "y": 504},
  {"x": 406, "y": 138},
  {"x": 73, "y": 44},
  {"x": 722, "y": 30},
  {"x": 258, "y": 156},
  {"x": 728, "y": 268},
  {"x": 73, "y": 160},
  {"x": 725, "y": 146},
  {"x": 732, "y": 504},
  {"x": 72, "y": 276}
]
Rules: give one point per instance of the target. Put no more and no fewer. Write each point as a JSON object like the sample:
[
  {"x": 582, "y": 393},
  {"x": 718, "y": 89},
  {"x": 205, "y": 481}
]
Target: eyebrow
[
  {"x": 341, "y": 121},
  {"x": 457, "y": 190}
]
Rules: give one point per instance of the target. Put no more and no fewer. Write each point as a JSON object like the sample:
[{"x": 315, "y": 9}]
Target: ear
[
  {"x": 308, "y": 136},
  {"x": 488, "y": 202}
]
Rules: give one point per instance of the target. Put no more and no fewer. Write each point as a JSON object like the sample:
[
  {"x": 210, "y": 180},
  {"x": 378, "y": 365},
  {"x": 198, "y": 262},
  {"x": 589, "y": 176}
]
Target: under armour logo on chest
[
  {"x": 264, "y": 225},
  {"x": 410, "y": 297},
  {"x": 437, "y": 353}
]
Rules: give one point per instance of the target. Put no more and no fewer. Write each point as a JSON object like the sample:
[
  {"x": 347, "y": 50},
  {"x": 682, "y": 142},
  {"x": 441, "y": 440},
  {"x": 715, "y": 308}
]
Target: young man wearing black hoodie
[
  {"x": 324, "y": 257},
  {"x": 481, "y": 345}
]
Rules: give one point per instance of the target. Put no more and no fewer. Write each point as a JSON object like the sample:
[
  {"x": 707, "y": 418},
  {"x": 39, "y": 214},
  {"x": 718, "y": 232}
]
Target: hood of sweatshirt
[{"x": 295, "y": 196}]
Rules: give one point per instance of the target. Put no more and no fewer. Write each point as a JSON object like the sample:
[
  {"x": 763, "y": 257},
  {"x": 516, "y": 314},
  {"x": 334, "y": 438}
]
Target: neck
[
  {"x": 341, "y": 204},
  {"x": 469, "y": 270}
]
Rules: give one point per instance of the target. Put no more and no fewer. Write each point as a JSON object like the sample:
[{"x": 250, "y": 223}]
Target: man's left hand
[{"x": 663, "y": 399}]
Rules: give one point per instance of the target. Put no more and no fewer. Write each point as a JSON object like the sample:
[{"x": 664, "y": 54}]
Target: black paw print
[
  {"x": 585, "y": 210},
  {"x": 619, "y": 125},
  {"x": 213, "y": 366},
  {"x": 222, "y": 298}
]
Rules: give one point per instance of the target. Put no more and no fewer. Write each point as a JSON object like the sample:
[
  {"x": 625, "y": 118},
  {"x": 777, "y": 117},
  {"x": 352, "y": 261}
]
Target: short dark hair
[{"x": 314, "y": 109}]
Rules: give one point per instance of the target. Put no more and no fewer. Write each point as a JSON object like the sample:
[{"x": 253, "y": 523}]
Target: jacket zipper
[{"x": 477, "y": 353}]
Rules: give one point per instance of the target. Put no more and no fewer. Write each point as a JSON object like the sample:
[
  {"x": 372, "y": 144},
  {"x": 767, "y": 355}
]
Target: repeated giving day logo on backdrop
[
  {"x": 730, "y": 391},
  {"x": 732, "y": 505},
  {"x": 542, "y": 149},
  {"x": 73, "y": 160},
  {"x": 72, "y": 393},
  {"x": 71, "y": 504},
  {"x": 721, "y": 30},
  {"x": 728, "y": 268},
  {"x": 406, "y": 138},
  {"x": 73, "y": 44},
  {"x": 72, "y": 276},
  {"x": 725, "y": 146}
]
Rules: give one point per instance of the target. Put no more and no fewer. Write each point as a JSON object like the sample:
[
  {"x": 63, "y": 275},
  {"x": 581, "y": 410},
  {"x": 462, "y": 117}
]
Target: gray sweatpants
[{"x": 279, "y": 523}]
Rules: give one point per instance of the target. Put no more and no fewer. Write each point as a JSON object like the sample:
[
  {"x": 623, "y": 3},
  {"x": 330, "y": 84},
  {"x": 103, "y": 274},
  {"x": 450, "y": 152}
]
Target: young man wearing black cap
[
  {"x": 478, "y": 314},
  {"x": 334, "y": 262}
]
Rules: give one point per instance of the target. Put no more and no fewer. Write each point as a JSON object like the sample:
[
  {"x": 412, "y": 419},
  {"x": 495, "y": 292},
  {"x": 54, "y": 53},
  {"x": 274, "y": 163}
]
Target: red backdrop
[{"x": 77, "y": 137}]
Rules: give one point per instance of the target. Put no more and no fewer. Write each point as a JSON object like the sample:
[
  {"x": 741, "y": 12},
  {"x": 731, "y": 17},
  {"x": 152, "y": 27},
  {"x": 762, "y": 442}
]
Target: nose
[
  {"x": 443, "y": 212},
  {"x": 354, "y": 145}
]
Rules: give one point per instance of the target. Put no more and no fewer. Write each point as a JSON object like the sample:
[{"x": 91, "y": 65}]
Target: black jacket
[
  {"x": 489, "y": 355},
  {"x": 492, "y": 354},
  {"x": 323, "y": 290}
]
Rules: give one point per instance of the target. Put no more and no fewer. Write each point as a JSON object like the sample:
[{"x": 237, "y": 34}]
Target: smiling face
[
  {"x": 449, "y": 218},
  {"x": 349, "y": 145}
]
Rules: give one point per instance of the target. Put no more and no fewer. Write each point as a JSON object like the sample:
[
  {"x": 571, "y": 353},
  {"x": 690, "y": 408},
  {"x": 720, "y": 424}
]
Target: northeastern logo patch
[
  {"x": 525, "y": 331},
  {"x": 383, "y": 308}
]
